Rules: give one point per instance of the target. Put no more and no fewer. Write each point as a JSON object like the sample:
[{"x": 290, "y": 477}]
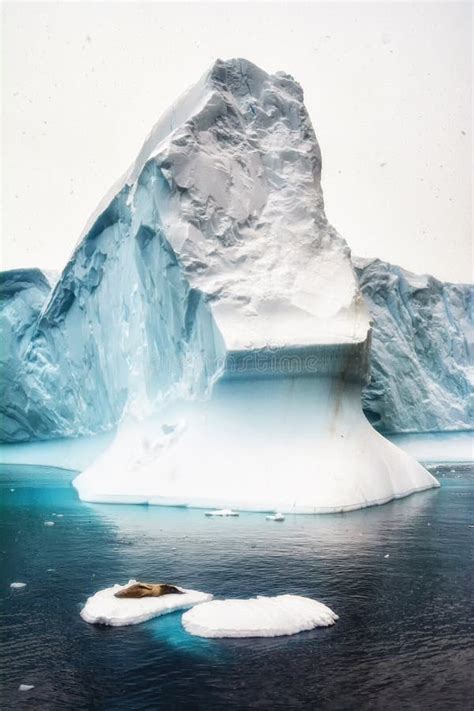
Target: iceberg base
[{"x": 293, "y": 444}]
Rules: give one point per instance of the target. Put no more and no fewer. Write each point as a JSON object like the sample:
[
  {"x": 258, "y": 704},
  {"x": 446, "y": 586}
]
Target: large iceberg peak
[{"x": 231, "y": 176}]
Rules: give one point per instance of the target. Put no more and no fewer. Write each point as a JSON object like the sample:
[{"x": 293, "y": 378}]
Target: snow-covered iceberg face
[
  {"x": 245, "y": 214},
  {"x": 214, "y": 243},
  {"x": 422, "y": 353}
]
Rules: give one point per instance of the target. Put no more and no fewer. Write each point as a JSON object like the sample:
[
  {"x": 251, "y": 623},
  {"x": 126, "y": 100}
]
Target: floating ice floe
[
  {"x": 275, "y": 517},
  {"x": 26, "y": 687},
  {"x": 49, "y": 523},
  {"x": 387, "y": 556},
  {"x": 258, "y": 617},
  {"x": 105, "y": 609},
  {"x": 17, "y": 586},
  {"x": 222, "y": 512}
]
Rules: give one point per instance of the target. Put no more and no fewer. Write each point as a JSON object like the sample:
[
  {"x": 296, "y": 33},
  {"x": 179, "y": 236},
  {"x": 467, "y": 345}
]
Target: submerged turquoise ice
[{"x": 405, "y": 631}]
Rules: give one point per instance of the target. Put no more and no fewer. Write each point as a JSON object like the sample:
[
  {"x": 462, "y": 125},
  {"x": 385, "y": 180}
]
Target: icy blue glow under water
[{"x": 404, "y": 639}]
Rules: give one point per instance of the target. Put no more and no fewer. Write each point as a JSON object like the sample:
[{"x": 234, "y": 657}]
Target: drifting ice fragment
[
  {"x": 49, "y": 523},
  {"x": 26, "y": 687},
  {"x": 258, "y": 617},
  {"x": 222, "y": 512},
  {"x": 104, "y": 608},
  {"x": 17, "y": 586},
  {"x": 387, "y": 556},
  {"x": 275, "y": 517}
]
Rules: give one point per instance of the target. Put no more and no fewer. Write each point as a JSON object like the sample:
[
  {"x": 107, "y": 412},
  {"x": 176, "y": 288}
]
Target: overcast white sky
[{"x": 388, "y": 87}]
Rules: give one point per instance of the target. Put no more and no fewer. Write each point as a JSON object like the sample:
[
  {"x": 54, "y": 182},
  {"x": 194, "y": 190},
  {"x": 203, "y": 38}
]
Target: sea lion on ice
[{"x": 148, "y": 590}]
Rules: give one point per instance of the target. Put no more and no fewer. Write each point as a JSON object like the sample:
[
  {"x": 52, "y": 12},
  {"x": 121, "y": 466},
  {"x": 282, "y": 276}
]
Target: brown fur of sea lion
[{"x": 148, "y": 590}]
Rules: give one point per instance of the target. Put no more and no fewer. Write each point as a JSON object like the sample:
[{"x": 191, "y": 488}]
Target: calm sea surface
[{"x": 404, "y": 639}]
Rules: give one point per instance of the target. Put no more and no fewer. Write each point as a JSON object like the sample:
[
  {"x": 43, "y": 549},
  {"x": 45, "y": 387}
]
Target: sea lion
[{"x": 148, "y": 590}]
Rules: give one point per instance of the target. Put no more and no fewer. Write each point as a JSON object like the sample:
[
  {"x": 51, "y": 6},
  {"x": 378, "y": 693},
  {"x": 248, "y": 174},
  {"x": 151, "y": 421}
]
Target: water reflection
[{"x": 406, "y": 621}]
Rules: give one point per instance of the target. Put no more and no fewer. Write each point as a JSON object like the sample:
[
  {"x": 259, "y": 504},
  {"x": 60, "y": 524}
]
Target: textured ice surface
[
  {"x": 212, "y": 247},
  {"x": 23, "y": 293},
  {"x": 210, "y": 294},
  {"x": 258, "y": 617},
  {"x": 214, "y": 250},
  {"x": 105, "y": 609},
  {"x": 422, "y": 353}
]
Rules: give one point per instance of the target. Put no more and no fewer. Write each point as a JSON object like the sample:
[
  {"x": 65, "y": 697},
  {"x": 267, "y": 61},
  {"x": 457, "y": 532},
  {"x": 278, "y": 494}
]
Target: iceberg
[
  {"x": 104, "y": 608},
  {"x": 275, "y": 517},
  {"x": 23, "y": 293},
  {"x": 422, "y": 354},
  {"x": 258, "y": 617},
  {"x": 228, "y": 183},
  {"x": 211, "y": 309}
]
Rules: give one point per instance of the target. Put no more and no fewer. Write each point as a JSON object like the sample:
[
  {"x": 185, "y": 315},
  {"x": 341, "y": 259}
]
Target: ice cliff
[
  {"x": 422, "y": 352},
  {"x": 211, "y": 308},
  {"x": 22, "y": 296}
]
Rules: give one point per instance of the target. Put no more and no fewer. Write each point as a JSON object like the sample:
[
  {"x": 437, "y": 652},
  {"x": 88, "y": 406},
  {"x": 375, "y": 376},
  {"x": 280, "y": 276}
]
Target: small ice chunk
[
  {"x": 26, "y": 687},
  {"x": 17, "y": 586},
  {"x": 104, "y": 608},
  {"x": 257, "y": 617},
  {"x": 222, "y": 512},
  {"x": 12, "y": 489},
  {"x": 49, "y": 523},
  {"x": 275, "y": 517},
  {"x": 387, "y": 555}
]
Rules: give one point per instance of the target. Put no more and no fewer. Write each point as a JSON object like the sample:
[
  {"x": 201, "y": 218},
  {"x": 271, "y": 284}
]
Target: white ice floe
[
  {"x": 17, "y": 586},
  {"x": 26, "y": 687},
  {"x": 49, "y": 523},
  {"x": 222, "y": 512},
  {"x": 258, "y": 617},
  {"x": 105, "y": 609},
  {"x": 275, "y": 517}
]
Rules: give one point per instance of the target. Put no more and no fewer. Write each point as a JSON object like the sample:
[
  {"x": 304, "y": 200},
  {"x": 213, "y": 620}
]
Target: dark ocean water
[{"x": 404, "y": 639}]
